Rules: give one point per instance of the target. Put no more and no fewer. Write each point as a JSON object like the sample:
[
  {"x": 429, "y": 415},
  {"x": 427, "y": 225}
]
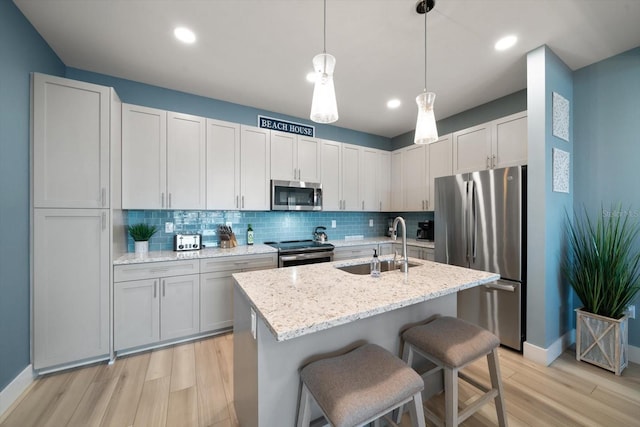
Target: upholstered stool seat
[
  {"x": 451, "y": 344},
  {"x": 360, "y": 387}
]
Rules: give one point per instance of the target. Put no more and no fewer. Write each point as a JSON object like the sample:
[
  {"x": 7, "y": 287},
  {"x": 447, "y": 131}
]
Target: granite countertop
[
  {"x": 296, "y": 301},
  {"x": 157, "y": 256}
]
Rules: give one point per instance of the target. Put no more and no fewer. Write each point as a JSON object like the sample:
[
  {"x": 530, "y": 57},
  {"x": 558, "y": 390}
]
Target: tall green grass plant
[{"x": 602, "y": 261}]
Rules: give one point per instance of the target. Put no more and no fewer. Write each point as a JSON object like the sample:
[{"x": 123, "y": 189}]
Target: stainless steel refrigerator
[{"x": 480, "y": 223}]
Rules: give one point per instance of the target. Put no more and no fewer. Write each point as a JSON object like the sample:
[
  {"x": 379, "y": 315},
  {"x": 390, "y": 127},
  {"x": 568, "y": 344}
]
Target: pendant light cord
[
  {"x": 324, "y": 42},
  {"x": 425, "y": 44}
]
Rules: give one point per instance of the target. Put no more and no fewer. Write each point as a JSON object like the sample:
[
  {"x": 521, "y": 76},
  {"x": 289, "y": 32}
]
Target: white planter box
[{"x": 602, "y": 341}]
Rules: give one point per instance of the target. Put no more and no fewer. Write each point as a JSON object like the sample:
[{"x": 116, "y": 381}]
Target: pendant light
[
  {"x": 324, "y": 108},
  {"x": 426, "y": 130}
]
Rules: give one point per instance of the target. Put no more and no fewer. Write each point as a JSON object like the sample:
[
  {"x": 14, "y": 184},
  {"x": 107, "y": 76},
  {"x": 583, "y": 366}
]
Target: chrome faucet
[{"x": 404, "y": 267}]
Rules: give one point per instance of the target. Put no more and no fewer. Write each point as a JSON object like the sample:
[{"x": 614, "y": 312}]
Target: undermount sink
[{"x": 365, "y": 268}]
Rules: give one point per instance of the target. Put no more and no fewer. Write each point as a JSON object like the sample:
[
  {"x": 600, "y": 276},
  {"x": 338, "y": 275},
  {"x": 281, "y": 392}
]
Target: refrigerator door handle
[
  {"x": 474, "y": 222},
  {"x": 500, "y": 287}
]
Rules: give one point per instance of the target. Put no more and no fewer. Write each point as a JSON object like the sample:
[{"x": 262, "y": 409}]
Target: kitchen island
[{"x": 285, "y": 318}]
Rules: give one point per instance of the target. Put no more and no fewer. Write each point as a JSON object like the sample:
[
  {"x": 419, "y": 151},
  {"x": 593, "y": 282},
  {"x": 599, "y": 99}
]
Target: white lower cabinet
[
  {"x": 216, "y": 286},
  {"x": 353, "y": 252},
  {"x": 160, "y": 302},
  {"x": 70, "y": 299},
  {"x": 413, "y": 251}
]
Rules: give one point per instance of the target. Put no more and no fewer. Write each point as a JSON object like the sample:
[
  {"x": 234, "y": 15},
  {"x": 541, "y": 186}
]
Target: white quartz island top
[{"x": 297, "y": 301}]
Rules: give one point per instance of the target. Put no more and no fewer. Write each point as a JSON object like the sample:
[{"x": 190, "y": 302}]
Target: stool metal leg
[
  {"x": 496, "y": 383},
  {"x": 415, "y": 409},
  {"x": 451, "y": 397},
  {"x": 304, "y": 411}
]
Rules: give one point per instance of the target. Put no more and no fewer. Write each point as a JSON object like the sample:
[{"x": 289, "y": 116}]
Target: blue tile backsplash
[{"x": 267, "y": 226}]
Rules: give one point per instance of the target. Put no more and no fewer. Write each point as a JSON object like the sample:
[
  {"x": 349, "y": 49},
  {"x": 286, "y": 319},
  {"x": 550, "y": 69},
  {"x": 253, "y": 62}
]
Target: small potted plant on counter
[
  {"x": 602, "y": 265},
  {"x": 141, "y": 233}
]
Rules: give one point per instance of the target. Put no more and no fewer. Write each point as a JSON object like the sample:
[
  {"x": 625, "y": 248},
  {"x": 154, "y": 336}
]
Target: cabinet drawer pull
[{"x": 159, "y": 270}]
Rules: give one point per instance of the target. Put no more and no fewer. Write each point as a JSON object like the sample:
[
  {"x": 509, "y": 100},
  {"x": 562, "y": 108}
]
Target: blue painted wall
[
  {"x": 166, "y": 99},
  {"x": 22, "y": 51},
  {"x": 607, "y": 138},
  {"x": 549, "y": 301},
  {"x": 510, "y": 104}
]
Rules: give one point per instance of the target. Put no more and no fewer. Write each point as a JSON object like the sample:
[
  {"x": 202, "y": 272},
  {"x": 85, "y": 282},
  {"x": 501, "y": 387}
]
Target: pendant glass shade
[
  {"x": 426, "y": 131},
  {"x": 324, "y": 108}
]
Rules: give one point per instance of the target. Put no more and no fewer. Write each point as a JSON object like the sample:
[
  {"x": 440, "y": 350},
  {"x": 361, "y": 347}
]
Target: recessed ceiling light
[
  {"x": 185, "y": 35},
  {"x": 311, "y": 76},
  {"x": 505, "y": 43},
  {"x": 393, "y": 103}
]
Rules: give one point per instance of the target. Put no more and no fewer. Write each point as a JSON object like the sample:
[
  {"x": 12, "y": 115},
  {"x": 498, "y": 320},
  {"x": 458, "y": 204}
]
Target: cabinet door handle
[
  {"x": 493, "y": 161},
  {"x": 380, "y": 205},
  {"x": 426, "y": 203},
  {"x": 164, "y": 287},
  {"x": 363, "y": 205},
  {"x": 155, "y": 288},
  {"x": 242, "y": 202},
  {"x": 104, "y": 220},
  {"x": 236, "y": 201},
  {"x": 103, "y": 195},
  {"x": 162, "y": 201},
  {"x": 488, "y": 167},
  {"x": 169, "y": 201}
]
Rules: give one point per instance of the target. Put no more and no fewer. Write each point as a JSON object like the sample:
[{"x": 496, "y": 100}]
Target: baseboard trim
[
  {"x": 634, "y": 354},
  {"x": 10, "y": 394},
  {"x": 544, "y": 356}
]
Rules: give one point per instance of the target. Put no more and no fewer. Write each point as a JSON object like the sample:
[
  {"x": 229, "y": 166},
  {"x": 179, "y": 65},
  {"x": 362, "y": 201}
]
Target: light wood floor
[{"x": 191, "y": 385}]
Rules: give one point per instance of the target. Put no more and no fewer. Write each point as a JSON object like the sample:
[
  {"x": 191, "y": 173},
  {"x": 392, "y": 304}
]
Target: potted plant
[
  {"x": 141, "y": 233},
  {"x": 602, "y": 266}
]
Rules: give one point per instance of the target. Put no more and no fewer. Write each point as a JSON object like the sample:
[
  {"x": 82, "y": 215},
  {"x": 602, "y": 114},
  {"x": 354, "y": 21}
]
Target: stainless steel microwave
[{"x": 296, "y": 196}]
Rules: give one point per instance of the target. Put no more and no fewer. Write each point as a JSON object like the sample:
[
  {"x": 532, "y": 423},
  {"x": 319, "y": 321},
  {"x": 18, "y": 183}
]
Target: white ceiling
[{"x": 258, "y": 52}]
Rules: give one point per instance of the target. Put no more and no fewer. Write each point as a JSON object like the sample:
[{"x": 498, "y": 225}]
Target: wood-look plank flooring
[{"x": 191, "y": 385}]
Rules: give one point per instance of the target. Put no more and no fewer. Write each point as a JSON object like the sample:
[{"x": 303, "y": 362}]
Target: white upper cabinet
[
  {"x": 70, "y": 143},
  {"x": 440, "y": 164},
  {"x": 351, "y": 178},
  {"x": 368, "y": 179},
  {"x": 144, "y": 157},
  {"x": 186, "y": 161},
  {"x": 255, "y": 168},
  {"x": 331, "y": 171},
  {"x": 509, "y": 147},
  {"x": 163, "y": 159},
  {"x": 223, "y": 165},
  {"x": 415, "y": 163},
  {"x": 383, "y": 176},
  {"x": 472, "y": 149},
  {"x": 397, "y": 181},
  {"x": 294, "y": 158},
  {"x": 498, "y": 143}
]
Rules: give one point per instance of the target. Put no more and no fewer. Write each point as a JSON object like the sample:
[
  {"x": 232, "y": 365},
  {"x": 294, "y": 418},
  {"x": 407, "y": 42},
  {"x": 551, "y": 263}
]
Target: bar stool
[
  {"x": 359, "y": 387},
  {"x": 451, "y": 344}
]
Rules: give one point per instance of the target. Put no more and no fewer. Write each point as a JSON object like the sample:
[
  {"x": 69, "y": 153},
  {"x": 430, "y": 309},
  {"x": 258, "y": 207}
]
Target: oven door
[{"x": 305, "y": 258}]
